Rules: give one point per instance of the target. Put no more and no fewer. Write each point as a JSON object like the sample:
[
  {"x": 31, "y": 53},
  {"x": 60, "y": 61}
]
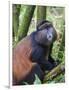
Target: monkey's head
[{"x": 46, "y": 33}]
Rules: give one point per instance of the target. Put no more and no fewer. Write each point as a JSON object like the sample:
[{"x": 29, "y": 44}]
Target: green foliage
[
  {"x": 59, "y": 79},
  {"x": 61, "y": 56},
  {"x": 37, "y": 80}
]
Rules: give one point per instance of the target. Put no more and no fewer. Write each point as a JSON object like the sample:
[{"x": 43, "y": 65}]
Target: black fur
[{"x": 38, "y": 54}]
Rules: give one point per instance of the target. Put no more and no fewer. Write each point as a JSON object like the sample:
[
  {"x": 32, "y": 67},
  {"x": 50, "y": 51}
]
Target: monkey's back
[{"x": 21, "y": 63}]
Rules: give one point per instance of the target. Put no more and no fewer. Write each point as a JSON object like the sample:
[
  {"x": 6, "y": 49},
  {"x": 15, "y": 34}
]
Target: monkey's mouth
[
  {"x": 49, "y": 37},
  {"x": 48, "y": 42}
]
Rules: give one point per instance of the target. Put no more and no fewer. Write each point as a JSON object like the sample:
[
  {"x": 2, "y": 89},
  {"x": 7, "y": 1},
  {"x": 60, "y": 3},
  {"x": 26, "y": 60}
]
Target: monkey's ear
[{"x": 43, "y": 24}]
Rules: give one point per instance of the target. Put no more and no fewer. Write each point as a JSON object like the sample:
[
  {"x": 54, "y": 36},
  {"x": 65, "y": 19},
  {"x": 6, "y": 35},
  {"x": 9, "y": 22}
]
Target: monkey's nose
[{"x": 49, "y": 37}]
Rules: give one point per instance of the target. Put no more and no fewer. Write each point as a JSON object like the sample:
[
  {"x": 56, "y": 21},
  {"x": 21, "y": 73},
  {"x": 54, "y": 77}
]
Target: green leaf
[{"x": 37, "y": 80}]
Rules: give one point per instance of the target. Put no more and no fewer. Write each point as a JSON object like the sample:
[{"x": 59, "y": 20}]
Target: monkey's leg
[
  {"x": 30, "y": 78},
  {"x": 45, "y": 64}
]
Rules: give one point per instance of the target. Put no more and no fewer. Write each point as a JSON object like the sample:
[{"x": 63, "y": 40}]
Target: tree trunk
[
  {"x": 53, "y": 73},
  {"x": 26, "y": 19},
  {"x": 15, "y": 14},
  {"x": 41, "y": 13}
]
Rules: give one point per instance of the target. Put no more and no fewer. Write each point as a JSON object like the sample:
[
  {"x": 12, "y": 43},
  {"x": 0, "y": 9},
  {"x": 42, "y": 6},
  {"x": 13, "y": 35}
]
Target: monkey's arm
[
  {"x": 45, "y": 64},
  {"x": 38, "y": 56},
  {"x": 37, "y": 53}
]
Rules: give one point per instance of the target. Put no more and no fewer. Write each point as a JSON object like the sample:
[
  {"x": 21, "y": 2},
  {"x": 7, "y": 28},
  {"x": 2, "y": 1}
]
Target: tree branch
[{"x": 53, "y": 73}]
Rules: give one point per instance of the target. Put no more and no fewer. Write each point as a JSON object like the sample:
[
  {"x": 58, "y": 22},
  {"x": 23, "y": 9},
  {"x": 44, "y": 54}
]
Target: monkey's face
[
  {"x": 50, "y": 35},
  {"x": 46, "y": 36}
]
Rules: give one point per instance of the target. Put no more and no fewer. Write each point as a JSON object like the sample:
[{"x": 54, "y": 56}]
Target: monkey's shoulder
[{"x": 23, "y": 47}]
